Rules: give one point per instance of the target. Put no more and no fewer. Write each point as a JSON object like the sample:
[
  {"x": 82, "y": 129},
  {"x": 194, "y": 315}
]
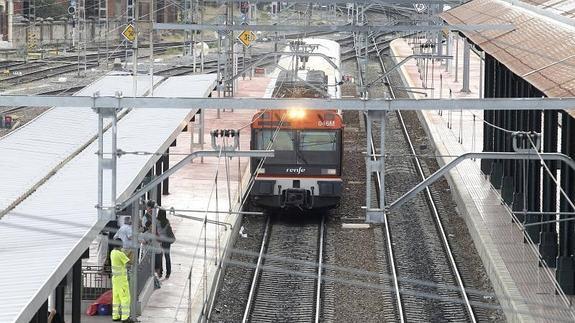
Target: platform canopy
[
  {"x": 46, "y": 233},
  {"x": 540, "y": 48}
]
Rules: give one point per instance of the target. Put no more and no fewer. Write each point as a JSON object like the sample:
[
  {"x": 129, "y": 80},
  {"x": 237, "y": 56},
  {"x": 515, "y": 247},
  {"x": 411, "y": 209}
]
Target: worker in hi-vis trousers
[{"x": 120, "y": 287}]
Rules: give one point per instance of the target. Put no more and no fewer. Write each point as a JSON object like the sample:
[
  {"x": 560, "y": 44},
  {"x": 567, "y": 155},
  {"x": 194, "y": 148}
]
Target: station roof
[
  {"x": 561, "y": 7},
  {"x": 35, "y": 151},
  {"x": 540, "y": 48},
  {"x": 46, "y": 233}
]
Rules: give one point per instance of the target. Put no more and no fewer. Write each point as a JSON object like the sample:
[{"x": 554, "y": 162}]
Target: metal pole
[
  {"x": 481, "y": 81},
  {"x": 448, "y": 51},
  {"x": 201, "y": 133},
  {"x": 368, "y": 162},
  {"x": 10, "y": 17},
  {"x": 202, "y": 39},
  {"x": 115, "y": 153},
  {"x": 107, "y": 32},
  {"x": 135, "y": 259},
  {"x": 466, "y": 57},
  {"x": 100, "y": 160},
  {"x": 135, "y": 49},
  {"x": 382, "y": 161},
  {"x": 152, "y": 47},
  {"x": 456, "y": 39}
]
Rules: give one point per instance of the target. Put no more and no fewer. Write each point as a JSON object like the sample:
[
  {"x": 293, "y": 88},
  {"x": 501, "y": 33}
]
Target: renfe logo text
[{"x": 295, "y": 170}]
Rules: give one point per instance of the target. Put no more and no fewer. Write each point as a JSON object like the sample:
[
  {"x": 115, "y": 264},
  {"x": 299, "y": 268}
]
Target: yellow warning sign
[
  {"x": 129, "y": 33},
  {"x": 247, "y": 37}
]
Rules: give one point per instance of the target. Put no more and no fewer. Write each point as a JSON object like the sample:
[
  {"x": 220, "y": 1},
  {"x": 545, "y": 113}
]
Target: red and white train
[{"x": 306, "y": 170}]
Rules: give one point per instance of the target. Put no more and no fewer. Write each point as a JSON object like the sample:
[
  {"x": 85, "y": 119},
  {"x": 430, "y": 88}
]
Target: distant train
[{"x": 306, "y": 170}]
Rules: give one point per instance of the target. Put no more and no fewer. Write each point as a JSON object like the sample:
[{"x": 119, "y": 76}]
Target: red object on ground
[{"x": 105, "y": 298}]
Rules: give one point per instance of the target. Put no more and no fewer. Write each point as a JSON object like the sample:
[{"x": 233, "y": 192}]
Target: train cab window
[
  {"x": 283, "y": 141},
  {"x": 318, "y": 140}
]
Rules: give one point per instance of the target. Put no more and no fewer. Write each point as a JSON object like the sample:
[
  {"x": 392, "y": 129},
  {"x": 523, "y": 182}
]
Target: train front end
[{"x": 305, "y": 172}]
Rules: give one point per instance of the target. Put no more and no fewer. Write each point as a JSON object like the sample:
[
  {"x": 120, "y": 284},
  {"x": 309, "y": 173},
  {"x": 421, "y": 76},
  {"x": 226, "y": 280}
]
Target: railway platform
[
  {"x": 56, "y": 222},
  {"x": 194, "y": 268},
  {"x": 526, "y": 291}
]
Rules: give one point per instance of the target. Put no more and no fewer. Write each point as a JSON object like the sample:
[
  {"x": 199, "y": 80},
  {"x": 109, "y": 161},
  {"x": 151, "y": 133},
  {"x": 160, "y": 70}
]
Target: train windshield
[
  {"x": 317, "y": 140},
  {"x": 284, "y": 139}
]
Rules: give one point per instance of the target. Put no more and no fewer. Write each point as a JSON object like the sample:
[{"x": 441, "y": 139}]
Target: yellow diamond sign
[
  {"x": 129, "y": 33},
  {"x": 247, "y": 37}
]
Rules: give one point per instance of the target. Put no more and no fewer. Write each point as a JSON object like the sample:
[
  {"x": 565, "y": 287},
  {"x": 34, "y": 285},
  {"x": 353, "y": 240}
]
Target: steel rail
[
  {"x": 252, "y": 293},
  {"x": 386, "y": 227},
  {"x": 319, "y": 270},
  {"x": 434, "y": 210}
]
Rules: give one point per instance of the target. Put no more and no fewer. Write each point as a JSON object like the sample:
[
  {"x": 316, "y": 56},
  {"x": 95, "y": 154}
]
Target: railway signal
[
  {"x": 247, "y": 37},
  {"x": 129, "y": 33}
]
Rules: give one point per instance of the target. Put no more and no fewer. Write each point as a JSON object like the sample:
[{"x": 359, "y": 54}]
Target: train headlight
[
  {"x": 261, "y": 171},
  {"x": 328, "y": 171},
  {"x": 296, "y": 113}
]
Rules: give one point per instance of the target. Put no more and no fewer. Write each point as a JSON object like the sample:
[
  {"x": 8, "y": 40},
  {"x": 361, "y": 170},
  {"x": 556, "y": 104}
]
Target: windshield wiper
[{"x": 297, "y": 151}]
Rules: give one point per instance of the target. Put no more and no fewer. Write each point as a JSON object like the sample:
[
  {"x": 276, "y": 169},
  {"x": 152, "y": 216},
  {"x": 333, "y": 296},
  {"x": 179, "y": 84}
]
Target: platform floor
[
  {"x": 192, "y": 189},
  {"x": 525, "y": 290}
]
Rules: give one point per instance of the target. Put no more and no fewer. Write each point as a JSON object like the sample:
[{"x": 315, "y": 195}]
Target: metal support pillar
[
  {"x": 159, "y": 169},
  {"x": 488, "y": 115},
  {"x": 188, "y": 34},
  {"x": 41, "y": 315},
  {"x": 82, "y": 37},
  {"x": 130, "y": 19},
  {"x": 76, "y": 290},
  {"x": 375, "y": 166},
  {"x": 548, "y": 238},
  {"x": 439, "y": 45},
  {"x": 165, "y": 167},
  {"x": 60, "y": 296},
  {"x": 519, "y": 196},
  {"x": 566, "y": 261},
  {"x": 466, "y": 57},
  {"x": 229, "y": 64},
  {"x": 456, "y": 58},
  {"x": 448, "y": 49},
  {"x": 507, "y": 186},
  {"x": 133, "y": 275},
  {"x": 481, "y": 74},
  {"x": 106, "y": 209},
  {"x": 103, "y": 26},
  {"x": 533, "y": 193}
]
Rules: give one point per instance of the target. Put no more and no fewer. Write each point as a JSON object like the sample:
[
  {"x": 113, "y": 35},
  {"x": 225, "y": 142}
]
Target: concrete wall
[{"x": 59, "y": 33}]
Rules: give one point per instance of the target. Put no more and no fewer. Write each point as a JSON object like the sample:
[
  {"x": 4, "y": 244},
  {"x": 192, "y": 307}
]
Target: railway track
[
  {"x": 22, "y": 73},
  {"x": 427, "y": 280},
  {"x": 286, "y": 284}
]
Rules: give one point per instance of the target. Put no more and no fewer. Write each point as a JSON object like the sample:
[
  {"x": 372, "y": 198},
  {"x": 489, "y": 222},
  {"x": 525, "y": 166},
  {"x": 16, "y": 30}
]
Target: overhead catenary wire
[{"x": 60, "y": 234}]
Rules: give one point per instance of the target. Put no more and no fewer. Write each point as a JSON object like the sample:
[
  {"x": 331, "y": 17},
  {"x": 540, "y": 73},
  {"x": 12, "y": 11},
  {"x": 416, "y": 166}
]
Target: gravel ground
[
  {"x": 233, "y": 293},
  {"x": 357, "y": 294},
  {"x": 470, "y": 265},
  {"x": 356, "y": 286}
]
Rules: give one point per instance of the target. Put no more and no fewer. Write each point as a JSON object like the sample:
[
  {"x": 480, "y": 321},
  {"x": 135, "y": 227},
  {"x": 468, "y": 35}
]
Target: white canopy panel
[{"x": 46, "y": 233}]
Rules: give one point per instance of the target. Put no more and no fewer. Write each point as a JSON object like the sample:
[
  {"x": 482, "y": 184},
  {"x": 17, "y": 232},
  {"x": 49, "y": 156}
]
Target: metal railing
[{"x": 95, "y": 281}]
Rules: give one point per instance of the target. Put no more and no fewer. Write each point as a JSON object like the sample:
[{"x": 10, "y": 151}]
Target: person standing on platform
[
  {"x": 120, "y": 286},
  {"x": 124, "y": 233},
  {"x": 167, "y": 237},
  {"x": 148, "y": 215}
]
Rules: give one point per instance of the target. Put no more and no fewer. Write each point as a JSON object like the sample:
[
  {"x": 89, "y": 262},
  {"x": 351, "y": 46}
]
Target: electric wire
[{"x": 59, "y": 234}]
